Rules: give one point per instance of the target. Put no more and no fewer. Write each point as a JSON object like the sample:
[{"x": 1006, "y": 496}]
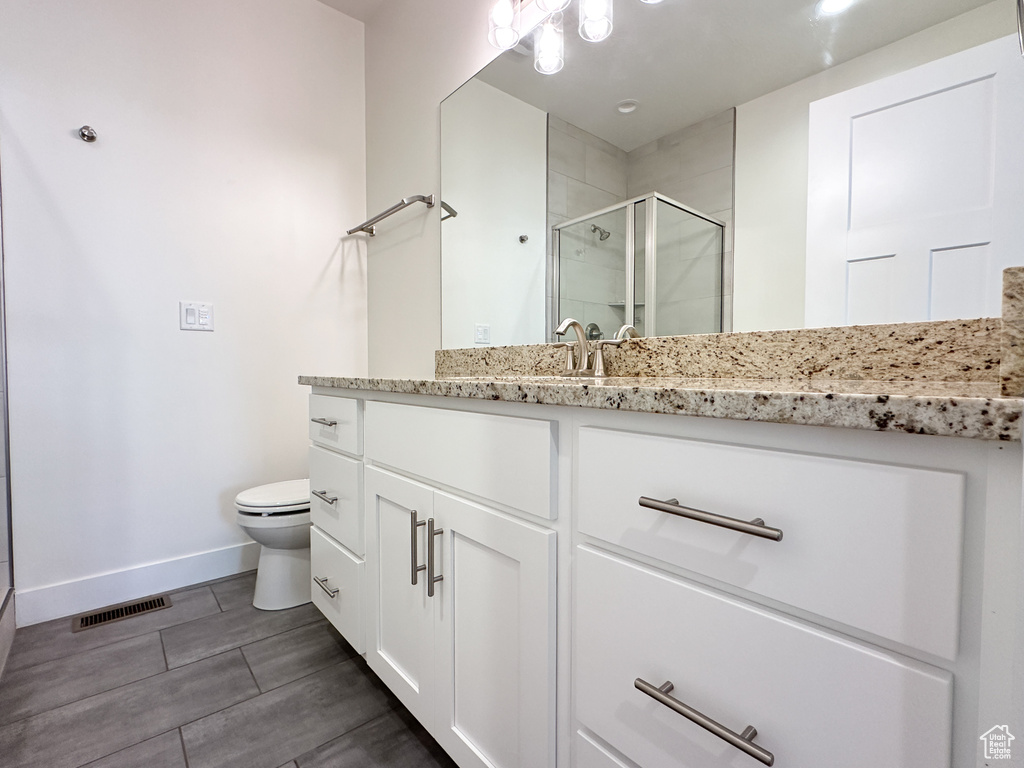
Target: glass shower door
[
  {"x": 688, "y": 272},
  {"x": 592, "y": 272}
]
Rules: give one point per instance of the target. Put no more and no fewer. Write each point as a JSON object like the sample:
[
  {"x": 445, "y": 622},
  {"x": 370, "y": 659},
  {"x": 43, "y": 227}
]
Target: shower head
[{"x": 605, "y": 234}]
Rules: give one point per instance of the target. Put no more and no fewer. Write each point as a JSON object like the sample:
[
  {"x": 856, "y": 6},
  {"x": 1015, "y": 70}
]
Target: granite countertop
[{"x": 956, "y": 409}]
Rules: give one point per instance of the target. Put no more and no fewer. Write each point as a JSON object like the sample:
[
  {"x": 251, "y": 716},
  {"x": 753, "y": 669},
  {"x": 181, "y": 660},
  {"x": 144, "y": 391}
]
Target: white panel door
[
  {"x": 914, "y": 192},
  {"x": 495, "y": 632},
  {"x": 400, "y": 615}
]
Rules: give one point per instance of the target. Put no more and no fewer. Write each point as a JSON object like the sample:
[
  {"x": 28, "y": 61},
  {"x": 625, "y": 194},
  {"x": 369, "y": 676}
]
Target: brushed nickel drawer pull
[
  {"x": 742, "y": 741},
  {"x": 416, "y": 567},
  {"x": 332, "y": 592},
  {"x": 325, "y": 422},
  {"x": 755, "y": 527},
  {"x": 322, "y": 495},
  {"x": 431, "y": 578}
]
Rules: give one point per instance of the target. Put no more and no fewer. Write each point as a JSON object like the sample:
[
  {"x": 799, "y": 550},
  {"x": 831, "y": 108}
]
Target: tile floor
[{"x": 210, "y": 682}]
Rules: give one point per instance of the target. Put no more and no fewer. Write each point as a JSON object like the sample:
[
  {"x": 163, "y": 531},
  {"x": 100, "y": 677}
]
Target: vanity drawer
[
  {"x": 335, "y": 496},
  {"x": 816, "y": 699},
  {"x": 870, "y": 545},
  {"x": 502, "y": 459},
  {"x": 334, "y": 423},
  {"x": 340, "y": 598}
]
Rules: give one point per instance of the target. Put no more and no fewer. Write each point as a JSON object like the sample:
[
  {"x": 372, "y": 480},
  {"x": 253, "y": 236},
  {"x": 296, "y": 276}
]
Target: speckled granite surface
[
  {"x": 960, "y": 409},
  {"x": 957, "y": 350},
  {"x": 1011, "y": 363}
]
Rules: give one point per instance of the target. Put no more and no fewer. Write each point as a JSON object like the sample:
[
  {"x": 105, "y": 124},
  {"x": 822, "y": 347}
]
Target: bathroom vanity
[{"x": 528, "y": 577}]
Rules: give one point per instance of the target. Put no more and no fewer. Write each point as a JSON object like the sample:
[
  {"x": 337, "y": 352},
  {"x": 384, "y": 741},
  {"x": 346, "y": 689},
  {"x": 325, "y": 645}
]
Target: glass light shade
[
  {"x": 595, "y": 20},
  {"x": 552, "y": 6},
  {"x": 549, "y": 46},
  {"x": 503, "y": 24}
]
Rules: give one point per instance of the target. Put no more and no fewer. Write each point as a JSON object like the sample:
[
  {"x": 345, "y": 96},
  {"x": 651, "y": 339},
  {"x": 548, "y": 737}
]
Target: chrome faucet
[{"x": 580, "y": 366}]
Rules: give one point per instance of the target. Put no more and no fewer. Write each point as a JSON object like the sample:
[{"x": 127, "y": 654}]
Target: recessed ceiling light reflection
[
  {"x": 830, "y": 7},
  {"x": 628, "y": 106}
]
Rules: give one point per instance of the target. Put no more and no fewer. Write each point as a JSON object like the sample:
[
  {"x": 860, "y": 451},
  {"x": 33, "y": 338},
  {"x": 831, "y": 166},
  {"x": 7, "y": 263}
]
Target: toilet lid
[{"x": 290, "y": 493}]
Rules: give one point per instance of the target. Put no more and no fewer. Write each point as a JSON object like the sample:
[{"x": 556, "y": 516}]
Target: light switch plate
[
  {"x": 195, "y": 316},
  {"x": 482, "y": 333}
]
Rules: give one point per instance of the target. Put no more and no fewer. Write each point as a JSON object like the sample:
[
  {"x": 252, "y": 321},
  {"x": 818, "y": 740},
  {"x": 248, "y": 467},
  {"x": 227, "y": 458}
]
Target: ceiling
[
  {"x": 685, "y": 60},
  {"x": 363, "y": 10}
]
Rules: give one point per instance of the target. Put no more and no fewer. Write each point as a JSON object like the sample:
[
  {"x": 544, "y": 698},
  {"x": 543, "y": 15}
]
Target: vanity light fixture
[
  {"x": 595, "y": 20},
  {"x": 503, "y": 24},
  {"x": 831, "y": 7},
  {"x": 549, "y": 46},
  {"x": 553, "y": 6}
]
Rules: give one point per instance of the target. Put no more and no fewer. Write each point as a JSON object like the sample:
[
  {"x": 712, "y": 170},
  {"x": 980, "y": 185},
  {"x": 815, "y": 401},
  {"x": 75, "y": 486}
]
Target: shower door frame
[{"x": 650, "y": 259}]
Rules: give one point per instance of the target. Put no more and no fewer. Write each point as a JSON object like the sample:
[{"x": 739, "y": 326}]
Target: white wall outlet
[
  {"x": 195, "y": 316},
  {"x": 482, "y": 334}
]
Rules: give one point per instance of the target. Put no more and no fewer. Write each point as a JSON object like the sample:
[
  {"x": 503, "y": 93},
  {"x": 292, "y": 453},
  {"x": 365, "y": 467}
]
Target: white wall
[
  {"x": 771, "y": 165},
  {"x": 230, "y": 161},
  {"x": 416, "y": 54},
  {"x": 495, "y": 176}
]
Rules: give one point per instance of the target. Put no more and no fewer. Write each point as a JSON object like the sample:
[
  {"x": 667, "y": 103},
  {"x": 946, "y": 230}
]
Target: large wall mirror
[{"x": 684, "y": 173}]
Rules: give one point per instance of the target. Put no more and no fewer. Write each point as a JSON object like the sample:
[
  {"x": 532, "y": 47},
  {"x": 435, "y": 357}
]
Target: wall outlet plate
[
  {"x": 482, "y": 333},
  {"x": 195, "y": 316}
]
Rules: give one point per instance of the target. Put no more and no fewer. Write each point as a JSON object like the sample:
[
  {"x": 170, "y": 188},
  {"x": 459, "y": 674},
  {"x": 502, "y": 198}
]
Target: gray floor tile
[
  {"x": 236, "y": 592},
  {"x": 304, "y": 714},
  {"x": 232, "y": 629},
  {"x": 54, "y": 639},
  {"x": 394, "y": 739},
  {"x": 291, "y": 655},
  {"x": 164, "y": 751},
  {"x": 100, "y": 725},
  {"x": 52, "y": 684}
]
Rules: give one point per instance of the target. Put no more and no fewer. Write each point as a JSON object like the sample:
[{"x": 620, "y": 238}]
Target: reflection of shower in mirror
[{"x": 605, "y": 234}]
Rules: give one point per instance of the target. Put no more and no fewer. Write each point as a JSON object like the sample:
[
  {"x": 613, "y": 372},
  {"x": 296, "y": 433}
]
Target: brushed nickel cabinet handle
[
  {"x": 416, "y": 567},
  {"x": 755, "y": 527},
  {"x": 322, "y": 495},
  {"x": 742, "y": 741},
  {"x": 325, "y": 422},
  {"x": 332, "y": 592},
  {"x": 431, "y": 578}
]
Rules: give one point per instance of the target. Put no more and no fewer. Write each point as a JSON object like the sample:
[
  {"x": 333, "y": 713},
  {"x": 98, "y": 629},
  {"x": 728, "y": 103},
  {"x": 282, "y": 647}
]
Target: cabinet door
[
  {"x": 495, "y": 635},
  {"x": 399, "y": 632}
]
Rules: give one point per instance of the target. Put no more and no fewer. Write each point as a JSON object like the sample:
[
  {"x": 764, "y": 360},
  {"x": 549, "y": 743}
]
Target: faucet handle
[
  {"x": 599, "y": 346},
  {"x": 570, "y": 357}
]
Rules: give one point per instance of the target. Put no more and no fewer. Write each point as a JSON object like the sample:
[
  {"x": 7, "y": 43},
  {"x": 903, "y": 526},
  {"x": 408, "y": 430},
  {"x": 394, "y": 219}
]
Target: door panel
[
  {"x": 914, "y": 193},
  {"x": 496, "y": 638},
  {"x": 400, "y": 634}
]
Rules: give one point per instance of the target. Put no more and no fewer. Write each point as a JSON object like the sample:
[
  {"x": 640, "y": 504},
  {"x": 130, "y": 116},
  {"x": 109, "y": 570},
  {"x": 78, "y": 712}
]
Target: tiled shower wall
[{"x": 693, "y": 165}]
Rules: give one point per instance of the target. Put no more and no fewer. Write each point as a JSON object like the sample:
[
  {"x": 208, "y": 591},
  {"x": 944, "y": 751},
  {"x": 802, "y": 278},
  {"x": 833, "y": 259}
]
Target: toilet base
[{"x": 282, "y": 579}]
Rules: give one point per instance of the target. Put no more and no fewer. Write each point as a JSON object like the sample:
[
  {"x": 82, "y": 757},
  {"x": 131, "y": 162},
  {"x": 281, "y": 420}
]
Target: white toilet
[{"x": 277, "y": 517}]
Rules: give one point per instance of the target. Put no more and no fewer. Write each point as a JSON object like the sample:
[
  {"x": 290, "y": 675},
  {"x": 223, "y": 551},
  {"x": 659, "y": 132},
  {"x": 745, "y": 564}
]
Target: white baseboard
[
  {"x": 6, "y": 630},
  {"x": 55, "y": 601}
]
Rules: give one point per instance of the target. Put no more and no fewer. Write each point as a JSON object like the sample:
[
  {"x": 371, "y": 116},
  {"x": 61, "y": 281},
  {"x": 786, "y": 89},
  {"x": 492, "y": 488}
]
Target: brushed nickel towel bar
[{"x": 368, "y": 225}]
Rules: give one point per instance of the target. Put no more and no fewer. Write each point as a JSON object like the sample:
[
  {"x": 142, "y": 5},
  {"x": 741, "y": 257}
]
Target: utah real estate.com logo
[{"x": 997, "y": 743}]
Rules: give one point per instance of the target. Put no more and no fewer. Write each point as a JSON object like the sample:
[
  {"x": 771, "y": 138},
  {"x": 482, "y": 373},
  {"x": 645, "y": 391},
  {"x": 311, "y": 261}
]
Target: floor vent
[{"x": 119, "y": 612}]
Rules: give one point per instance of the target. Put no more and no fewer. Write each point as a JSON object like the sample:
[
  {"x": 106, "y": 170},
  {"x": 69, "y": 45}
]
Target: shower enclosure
[{"x": 649, "y": 262}]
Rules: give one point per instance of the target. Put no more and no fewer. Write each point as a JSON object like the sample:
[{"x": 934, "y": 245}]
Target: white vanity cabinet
[
  {"x": 336, "y": 511},
  {"x": 462, "y": 595},
  {"x": 854, "y": 640},
  {"x": 881, "y": 630}
]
